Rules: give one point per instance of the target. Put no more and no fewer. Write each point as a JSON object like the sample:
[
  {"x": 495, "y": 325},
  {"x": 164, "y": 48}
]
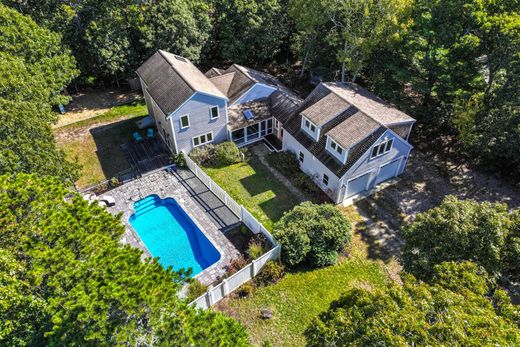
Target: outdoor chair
[
  {"x": 137, "y": 136},
  {"x": 149, "y": 133}
]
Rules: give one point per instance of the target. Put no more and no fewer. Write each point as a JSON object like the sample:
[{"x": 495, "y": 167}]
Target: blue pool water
[{"x": 170, "y": 234}]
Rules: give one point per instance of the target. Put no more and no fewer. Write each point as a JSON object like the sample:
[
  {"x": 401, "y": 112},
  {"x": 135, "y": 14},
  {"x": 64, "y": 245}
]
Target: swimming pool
[{"x": 170, "y": 234}]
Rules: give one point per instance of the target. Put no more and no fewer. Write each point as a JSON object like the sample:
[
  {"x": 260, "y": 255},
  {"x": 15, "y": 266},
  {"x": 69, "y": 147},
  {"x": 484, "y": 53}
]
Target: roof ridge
[
  {"x": 180, "y": 75},
  {"x": 348, "y": 102},
  {"x": 222, "y": 75}
]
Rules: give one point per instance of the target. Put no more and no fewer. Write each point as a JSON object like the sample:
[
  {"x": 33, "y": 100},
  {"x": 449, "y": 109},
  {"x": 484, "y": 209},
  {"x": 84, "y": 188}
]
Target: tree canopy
[
  {"x": 70, "y": 280},
  {"x": 437, "y": 314},
  {"x": 484, "y": 233},
  {"x": 312, "y": 233},
  {"x": 34, "y": 68}
]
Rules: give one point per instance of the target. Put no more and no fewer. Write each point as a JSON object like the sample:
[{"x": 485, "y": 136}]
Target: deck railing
[{"x": 218, "y": 292}]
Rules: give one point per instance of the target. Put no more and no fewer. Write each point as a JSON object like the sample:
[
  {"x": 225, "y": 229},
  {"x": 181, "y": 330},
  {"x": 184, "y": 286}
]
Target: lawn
[
  {"x": 95, "y": 142},
  {"x": 251, "y": 184},
  {"x": 302, "y": 295}
]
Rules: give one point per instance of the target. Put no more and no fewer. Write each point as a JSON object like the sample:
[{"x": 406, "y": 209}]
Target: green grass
[
  {"x": 251, "y": 184},
  {"x": 302, "y": 295},
  {"x": 95, "y": 142},
  {"x": 131, "y": 110}
]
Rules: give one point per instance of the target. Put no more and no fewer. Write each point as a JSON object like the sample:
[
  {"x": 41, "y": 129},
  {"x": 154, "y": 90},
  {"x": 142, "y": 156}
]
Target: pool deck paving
[{"x": 203, "y": 207}]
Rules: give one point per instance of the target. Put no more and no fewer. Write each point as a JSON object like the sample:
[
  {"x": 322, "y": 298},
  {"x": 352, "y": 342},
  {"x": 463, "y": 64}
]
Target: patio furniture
[
  {"x": 108, "y": 200},
  {"x": 137, "y": 136},
  {"x": 102, "y": 203},
  {"x": 149, "y": 133}
]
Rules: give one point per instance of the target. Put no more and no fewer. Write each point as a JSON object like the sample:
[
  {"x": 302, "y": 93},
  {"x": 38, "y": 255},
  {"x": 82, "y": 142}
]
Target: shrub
[
  {"x": 285, "y": 162},
  {"x": 227, "y": 153},
  {"x": 459, "y": 231},
  {"x": 179, "y": 160},
  {"x": 223, "y": 154},
  {"x": 236, "y": 265},
  {"x": 195, "y": 289},
  {"x": 271, "y": 273},
  {"x": 255, "y": 249},
  {"x": 417, "y": 313},
  {"x": 245, "y": 290},
  {"x": 203, "y": 155},
  {"x": 312, "y": 233}
]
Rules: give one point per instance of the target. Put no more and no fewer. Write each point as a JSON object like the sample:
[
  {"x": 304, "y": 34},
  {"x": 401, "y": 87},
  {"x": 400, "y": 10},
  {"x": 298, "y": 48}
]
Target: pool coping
[{"x": 172, "y": 188}]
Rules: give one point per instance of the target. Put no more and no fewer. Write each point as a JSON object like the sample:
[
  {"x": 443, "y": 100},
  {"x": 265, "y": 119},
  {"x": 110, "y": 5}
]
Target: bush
[
  {"x": 312, "y": 233},
  {"x": 223, "y": 154},
  {"x": 236, "y": 265},
  {"x": 195, "y": 289},
  {"x": 179, "y": 160},
  {"x": 226, "y": 153},
  {"x": 255, "y": 249},
  {"x": 245, "y": 290},
  {"x": 462, "y": 231},
  {"x": 271, "y": 273}
]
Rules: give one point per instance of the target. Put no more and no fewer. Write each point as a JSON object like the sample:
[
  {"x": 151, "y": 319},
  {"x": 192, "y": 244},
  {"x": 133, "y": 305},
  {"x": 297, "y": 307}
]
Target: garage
[
  {"x": 357, "y": 185},
  {"x": 388, "y": 171}
]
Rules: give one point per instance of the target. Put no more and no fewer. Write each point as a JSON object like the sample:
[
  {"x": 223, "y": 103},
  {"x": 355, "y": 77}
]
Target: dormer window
[
  {"x": 310, "y": 128},
  {"x": 336, "y": 147},
  {"x": 382, "y": 148}
]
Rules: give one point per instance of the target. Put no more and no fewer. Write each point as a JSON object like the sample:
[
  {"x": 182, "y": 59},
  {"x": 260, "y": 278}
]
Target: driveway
[{"x": 423, "y": 185}]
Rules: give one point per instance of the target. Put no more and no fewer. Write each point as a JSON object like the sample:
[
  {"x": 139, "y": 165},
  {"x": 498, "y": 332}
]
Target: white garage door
[
  {"x": 357, "y": 185},
  {"x": 388, "y": 171}
]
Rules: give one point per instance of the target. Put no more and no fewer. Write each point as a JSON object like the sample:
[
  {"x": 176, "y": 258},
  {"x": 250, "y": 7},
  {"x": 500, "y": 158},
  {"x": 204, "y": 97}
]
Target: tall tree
[
  {"x": 33, "y": 69},
  {"x": 88, "y": 288},
  {"x": 444, "y": 313},
  {"x": 248, "y": 31}
]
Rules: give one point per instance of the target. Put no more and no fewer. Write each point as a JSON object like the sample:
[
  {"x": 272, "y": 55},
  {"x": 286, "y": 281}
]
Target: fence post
[
  {"x": 210, "y": 296},
  {"x": 225, "y": 287},
  {"x": 253, "y": 268}
]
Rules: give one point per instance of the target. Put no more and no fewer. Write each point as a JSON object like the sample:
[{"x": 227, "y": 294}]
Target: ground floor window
[
  {"x": 302, "y": 157},
  {"x": 252, "y": 132},
  {"x": 325, "y": 180},
  {"x": 202, "y": 139},
  {"x": 238, "y": 136}
]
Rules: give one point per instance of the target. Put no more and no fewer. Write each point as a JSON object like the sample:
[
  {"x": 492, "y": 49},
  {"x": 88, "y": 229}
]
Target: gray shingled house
[{"x": 345, "y": 137}]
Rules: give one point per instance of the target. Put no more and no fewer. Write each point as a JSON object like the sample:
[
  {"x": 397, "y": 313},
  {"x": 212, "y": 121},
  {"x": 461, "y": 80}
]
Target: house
[{"x": 346, "y": 138}]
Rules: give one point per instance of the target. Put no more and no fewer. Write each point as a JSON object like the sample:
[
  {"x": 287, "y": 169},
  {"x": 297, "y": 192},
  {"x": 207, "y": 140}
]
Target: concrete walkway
[{"x": 261, "y": 151}]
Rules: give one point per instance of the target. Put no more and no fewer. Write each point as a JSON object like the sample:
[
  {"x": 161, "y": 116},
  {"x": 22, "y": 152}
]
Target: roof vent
[
  {"x": 248, "y": 114},
  {"x": 184, "y": 60}
]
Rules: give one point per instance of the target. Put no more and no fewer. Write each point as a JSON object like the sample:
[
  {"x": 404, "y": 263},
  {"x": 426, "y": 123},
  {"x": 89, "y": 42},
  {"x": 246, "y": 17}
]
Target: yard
[
  {"x": 95, "y": 142},
  {"x": 302, "y": 294},
  {"x": 252, "y": 185}
]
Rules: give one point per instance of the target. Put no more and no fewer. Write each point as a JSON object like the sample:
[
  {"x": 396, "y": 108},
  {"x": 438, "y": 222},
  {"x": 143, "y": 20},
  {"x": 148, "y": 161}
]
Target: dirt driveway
[{"x": 424, "y": 184}]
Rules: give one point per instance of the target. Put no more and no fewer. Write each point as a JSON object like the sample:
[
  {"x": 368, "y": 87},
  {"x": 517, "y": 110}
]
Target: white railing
[
  {"x": 217, "y": 293},
  {"x": 228, "y": 285},
  {"x": 215, "y": 188}
]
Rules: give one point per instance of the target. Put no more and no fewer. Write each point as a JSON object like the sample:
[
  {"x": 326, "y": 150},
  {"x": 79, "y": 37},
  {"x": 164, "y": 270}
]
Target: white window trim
[
  {"x": 344, "y": 152},
  {"x": 180, "y": 120},
  {"x": 211, "y": 113},
  {"x": 323, "y": 179},
  {"x": 314, "y": 134},
  {"x": 202, "y": 143},
  {"x": 384, "y": 142}
]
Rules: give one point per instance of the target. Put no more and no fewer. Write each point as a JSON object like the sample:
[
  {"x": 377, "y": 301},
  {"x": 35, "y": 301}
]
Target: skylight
[
  {"x": 180, "y": 58},
  {"x": 248, "y": 114}
]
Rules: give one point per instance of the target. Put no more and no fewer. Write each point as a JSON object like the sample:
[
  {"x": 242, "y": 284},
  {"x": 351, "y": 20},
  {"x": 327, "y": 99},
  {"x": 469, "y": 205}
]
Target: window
[
  {"x": 313, "y": 128},
  {"x": 325, "y": 180},
  {"x": 213, "y": 112},
  {"x": 185, "y": 121},
  {"x": 382, "y": 148},
  {"x": 302, "y": 157},
  {"x": 334, "y": 146},
  {"x": 307, "y": 124},
  {"x": 202, "y": 139}
]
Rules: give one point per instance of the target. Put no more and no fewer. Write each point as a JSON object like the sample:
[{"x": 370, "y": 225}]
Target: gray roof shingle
[
  {"x": 171, "y": 80},
  {"x": 353, "y": 129},
  {"x": 325, "y": 109},
  {"x": 223, "y": 81}
]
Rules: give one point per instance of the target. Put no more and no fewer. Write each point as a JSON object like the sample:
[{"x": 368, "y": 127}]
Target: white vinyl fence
[{"x": 215, "y": 294}]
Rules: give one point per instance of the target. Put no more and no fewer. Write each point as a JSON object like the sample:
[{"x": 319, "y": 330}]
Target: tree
[
  {"x": 355, "y": 28},
  {"x": 416, "y": 313},
  {"x": 248, "y": 31},
  {"x": 68, "y": 261},
  {"x": 312, "y": 233},
  {"x": 34, "y": 68},
  {"x": 457, "y": 231}
]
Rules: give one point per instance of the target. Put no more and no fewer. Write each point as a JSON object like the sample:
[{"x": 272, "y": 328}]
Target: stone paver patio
[{"x": 168, "y": 184}]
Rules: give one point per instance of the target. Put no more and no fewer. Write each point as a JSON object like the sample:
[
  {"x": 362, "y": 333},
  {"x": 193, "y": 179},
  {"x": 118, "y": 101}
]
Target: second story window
[
  {"x": 185, "y": 121},
  {"x": 302, "y": 157},
  {"x": 213, "y": 112},
  {"x": 336, "y": 147},
  {"x": 309, "y": 125},
  {"x": 382, "y": 148},
  {"x": 325, "y": 180}
]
